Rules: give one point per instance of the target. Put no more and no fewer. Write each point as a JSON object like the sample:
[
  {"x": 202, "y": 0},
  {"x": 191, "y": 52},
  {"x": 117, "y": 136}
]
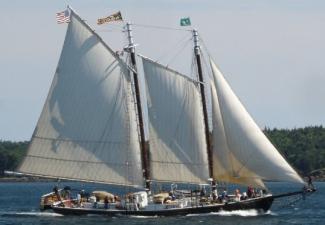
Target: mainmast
[
  {"x": 197, "y": 53},
  {"x": 144, "y": 146}
]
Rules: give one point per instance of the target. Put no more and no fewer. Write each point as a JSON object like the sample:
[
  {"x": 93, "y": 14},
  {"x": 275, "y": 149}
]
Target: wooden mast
[
  {"x": 204, "y": 103},
  {"x": 144, "y": 145}
]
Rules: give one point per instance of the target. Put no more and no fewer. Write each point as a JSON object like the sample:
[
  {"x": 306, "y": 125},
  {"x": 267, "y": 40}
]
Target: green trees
[
  {"x": 11, "y": 153},
  {"x": 304, "y": 148}
]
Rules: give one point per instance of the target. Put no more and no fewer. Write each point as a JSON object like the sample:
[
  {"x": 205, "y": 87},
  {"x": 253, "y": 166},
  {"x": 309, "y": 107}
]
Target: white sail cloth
[
  {"x": 241, "y": 152},
  {"x": 177, "y": 143},
  {"x": 87, "y": 129}
]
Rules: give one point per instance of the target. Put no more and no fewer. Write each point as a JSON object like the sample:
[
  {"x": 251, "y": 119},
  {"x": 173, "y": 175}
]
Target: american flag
[{"x": 63, "y": 17}]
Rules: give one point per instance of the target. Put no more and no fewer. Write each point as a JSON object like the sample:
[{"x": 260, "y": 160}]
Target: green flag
[{"x": 185, "y": 21}]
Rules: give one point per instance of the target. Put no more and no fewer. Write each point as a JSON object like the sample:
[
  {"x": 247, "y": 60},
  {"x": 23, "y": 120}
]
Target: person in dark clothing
[
  {"x": 310, "y": 183},
  {"x": 250, "y": 191},
  {"x": 106, "y": 202}
]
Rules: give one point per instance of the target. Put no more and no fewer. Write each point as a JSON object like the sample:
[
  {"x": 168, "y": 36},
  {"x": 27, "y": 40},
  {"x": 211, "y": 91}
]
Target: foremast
[
  {"x": 144, "y": 145},
  {"x": 197, "y": 53}
]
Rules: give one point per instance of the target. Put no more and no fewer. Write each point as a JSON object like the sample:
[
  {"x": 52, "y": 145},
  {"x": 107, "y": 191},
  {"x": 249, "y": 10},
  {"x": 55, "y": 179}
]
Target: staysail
[
  {"x": 242, "y": 153},
  {"x": 87, "y": 130},
  {"x": 176, "y": 129}
]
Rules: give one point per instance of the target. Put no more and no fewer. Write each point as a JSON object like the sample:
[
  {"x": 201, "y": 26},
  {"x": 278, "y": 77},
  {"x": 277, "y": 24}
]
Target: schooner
[{"x": 92, "y": 129}]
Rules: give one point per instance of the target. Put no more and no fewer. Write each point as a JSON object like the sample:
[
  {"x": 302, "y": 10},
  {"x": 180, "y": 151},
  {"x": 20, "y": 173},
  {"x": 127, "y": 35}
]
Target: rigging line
[
  {"x": 78, "y": 140},
  {"x": 206, "y": 64},
  {"x": 77, "y": 179},
  {"x": 111, "y": 30},
  {"x": 133, "y": 98},
  {"x": 80, "y": 161},
  {"x": 205, "y": 47},
  {"x": 193, "y": 68},
  {"x": 127, "y": 124},
  {"x": 179, "y": 52},
  {"x": 206, "y": 55},
  {"x": 160, "y": 27},
  {"x": 176, "y": 46},
  {"x": 179, "y": 163},
  {"x": 169, "y": 69},
  {"x": 290, "y": 202}
]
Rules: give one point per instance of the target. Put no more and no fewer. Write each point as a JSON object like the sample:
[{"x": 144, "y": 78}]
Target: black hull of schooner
[{"x": 261, "y": 204}]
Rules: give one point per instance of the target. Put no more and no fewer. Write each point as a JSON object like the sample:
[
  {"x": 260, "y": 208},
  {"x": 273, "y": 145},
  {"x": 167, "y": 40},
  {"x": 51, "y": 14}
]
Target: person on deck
[
  {"x": 251, "y": 192},
  {"x": 79, "y": 199},
  {"x": 244, "y": 196},
  {"x": 224, "y": 196},
  {"x": 214, "y": 194},
  {"x": 237, "y": 195},
  {"x": 310, "y": 183},
  {"x": 106, "y": 202},
  {"x": 202, "y": 192}
]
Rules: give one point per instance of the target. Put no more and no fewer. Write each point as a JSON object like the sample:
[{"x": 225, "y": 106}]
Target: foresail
[
  {"x": 176, "y": 130},
  {"x": 242, "y": 153},
  {"x": 87, "y": 130},
  {"x": 225, "y": 164}
]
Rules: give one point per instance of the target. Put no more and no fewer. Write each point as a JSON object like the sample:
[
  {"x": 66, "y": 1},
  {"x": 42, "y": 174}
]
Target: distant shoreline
[{"x": 25, "y": 179}]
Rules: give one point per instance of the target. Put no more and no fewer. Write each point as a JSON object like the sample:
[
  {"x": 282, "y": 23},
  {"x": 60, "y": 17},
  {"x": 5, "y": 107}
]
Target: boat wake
[
  {"x": 31, "y": 214},
  {"x": 143, "y": 217},
  {"x": 241, "y": 213}
]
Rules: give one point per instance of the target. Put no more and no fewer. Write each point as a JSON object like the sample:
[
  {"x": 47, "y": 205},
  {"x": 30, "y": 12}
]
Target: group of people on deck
[{"x": 238, "y": 196}]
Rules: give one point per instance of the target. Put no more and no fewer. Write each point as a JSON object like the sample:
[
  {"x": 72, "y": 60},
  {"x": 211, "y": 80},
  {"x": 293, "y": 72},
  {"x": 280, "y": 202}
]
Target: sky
[{"x": 271, "y": 52}]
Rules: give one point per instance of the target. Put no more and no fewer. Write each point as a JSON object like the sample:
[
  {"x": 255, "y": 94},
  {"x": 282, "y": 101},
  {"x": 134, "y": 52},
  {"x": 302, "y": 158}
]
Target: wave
[
  {"x": 142, "y": 217},
  {"x": 242, "y": 213},
  {"x": 32, "y": 214}
]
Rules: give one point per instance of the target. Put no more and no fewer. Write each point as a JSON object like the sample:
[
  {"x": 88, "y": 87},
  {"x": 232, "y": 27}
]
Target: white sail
[
  {"x": 87, "y": 130},
  {"x": 177, "y": 142},
  {"x": 224, "y": 162},
  {"x": 241, "y": 152}
]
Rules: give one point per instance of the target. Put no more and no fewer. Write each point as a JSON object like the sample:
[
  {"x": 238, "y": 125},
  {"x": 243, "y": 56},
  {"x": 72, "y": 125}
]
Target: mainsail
[
  {"x": 176, "y": 129},
  {"x": 242, "y": 153},
  {"x": 87, "y": 130}
]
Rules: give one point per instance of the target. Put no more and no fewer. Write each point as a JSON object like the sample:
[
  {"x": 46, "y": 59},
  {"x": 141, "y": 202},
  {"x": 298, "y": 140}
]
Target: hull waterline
[{"x": 261, "y": 204}]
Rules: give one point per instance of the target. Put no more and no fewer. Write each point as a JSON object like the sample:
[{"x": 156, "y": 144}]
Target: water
[{"x": 19, "y": 204}]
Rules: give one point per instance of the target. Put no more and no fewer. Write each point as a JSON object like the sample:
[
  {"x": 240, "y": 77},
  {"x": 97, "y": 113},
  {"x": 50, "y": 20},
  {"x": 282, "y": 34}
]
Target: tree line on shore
[
  {"x": 11, "y": 154},
  {"x": 304, "y": 148}
]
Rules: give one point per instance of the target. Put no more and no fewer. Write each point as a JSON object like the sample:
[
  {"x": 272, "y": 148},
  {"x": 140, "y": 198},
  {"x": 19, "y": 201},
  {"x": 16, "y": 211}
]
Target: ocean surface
[{"x": 19, "y": 204}]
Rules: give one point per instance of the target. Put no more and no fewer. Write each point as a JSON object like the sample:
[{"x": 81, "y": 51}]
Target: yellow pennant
[{"x": 114, "y": 17}]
